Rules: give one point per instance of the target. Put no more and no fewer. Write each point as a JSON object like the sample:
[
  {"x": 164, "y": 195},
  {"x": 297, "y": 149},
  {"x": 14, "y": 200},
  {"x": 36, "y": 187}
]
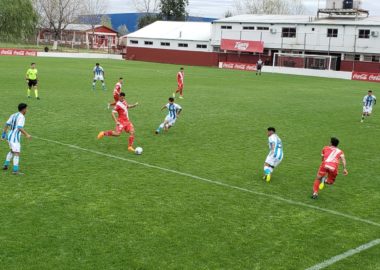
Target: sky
[{"x": 216, "y": 8}]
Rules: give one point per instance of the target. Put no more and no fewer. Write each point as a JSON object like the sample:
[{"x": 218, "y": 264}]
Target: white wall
[
  {"x": 81, "y": 55},
  {"x": 192, "y": 45},
  {"x": 316, "y": 40}
]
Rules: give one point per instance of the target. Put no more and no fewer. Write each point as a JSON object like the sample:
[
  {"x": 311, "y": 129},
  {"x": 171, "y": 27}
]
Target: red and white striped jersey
[{"x": 117, "y": 89}]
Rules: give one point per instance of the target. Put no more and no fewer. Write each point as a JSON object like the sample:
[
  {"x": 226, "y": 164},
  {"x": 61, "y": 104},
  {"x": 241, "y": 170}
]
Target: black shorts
[
  {"x": 259, "y": 67},
  {"x": 32, "y": 83}
]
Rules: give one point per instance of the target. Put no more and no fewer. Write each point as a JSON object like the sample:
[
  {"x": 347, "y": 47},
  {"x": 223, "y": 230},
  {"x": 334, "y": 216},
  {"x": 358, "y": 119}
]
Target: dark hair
[
  {"x": 182, "y": 68},
  {"x": 97, "y": 64},
  {"x": 122, "y": 94},
  {"x": 120, "y": 78},
  {"x": 32, "y": 64},
  {"x": 171, "y": 99},
  {"x": 369, "y": 91},
  {"x": 272, "y": 129},
  {"x": 334, "y": 141},
  {"x": 22, "y": 106}
]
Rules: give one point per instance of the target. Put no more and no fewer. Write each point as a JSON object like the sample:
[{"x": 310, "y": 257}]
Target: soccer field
[{"x": 195, "y": 199}]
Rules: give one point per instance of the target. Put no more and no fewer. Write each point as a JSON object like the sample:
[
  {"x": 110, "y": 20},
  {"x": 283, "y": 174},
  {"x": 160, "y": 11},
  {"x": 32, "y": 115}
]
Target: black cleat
[
  {"x": 5, "y": 168},
  {"x": 314, "y": 196},
  {"x": 38, "y": 98}
]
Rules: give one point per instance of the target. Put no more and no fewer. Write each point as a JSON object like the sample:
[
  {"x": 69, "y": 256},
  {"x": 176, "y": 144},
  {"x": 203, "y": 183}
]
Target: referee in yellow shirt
[{"x": 32, "y": 80}]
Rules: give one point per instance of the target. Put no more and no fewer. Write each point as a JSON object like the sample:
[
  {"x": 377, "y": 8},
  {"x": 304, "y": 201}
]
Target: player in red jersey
[
  {"x": 180, "y": 81},
  {"x": 116, "y": 92},
  {"x": 122, "y": 122},
  {"x": 328, "y": 171}
]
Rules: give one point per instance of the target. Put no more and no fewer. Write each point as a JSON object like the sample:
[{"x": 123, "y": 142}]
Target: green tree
[
  {"x": 174, "y": 10},
  {"x": 122, "y": 30},
  {"x": 146, "y": 20},
  {"x": 18, "y": 20},
  {"x": 106, "y": 21}
]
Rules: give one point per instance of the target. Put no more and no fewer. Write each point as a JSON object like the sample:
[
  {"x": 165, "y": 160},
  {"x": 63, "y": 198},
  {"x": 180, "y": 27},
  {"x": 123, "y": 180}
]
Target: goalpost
[{"x": 308, "y": 61}]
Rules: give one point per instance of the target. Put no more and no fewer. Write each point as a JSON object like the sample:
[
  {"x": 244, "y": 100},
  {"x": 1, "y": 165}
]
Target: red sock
[
  {"x": 316, "y": 185},
  {"x": 108, "y": 133},
  {"x": 131, "y": 140}
]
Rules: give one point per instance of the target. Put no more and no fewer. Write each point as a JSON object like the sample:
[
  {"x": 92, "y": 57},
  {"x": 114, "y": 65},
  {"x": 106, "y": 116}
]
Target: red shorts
[
  {"x": 126, "y": 126},
  {"x": 330, "y": 171},
  {"x": 180, "y": 86}
]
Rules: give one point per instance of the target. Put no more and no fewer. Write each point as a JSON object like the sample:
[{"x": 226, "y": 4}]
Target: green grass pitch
[{"x": 83, "y": 210}]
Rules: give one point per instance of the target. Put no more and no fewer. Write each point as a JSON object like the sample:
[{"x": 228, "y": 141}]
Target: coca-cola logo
[
  {"x": 6, "y": 52},
  {"x": 30, "y": 53},
  {"x": 19, "y": 53},
  {"x": 228, "y": 65},
  {"x": 251, "y": 68},
  {"x": 374, "y": 77},
  {"x": 360, "y": 76},
  {"x": 241, "y": 46},
  {"x": 240, "y": 66}
]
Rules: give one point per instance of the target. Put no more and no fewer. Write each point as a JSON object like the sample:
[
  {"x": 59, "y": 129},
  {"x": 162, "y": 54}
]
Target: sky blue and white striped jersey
[
  {"x": 99, "y": 71},
  {"x": 276, "y": 143},
  {"x": 15, "y": 122},
  {"x": 173, "y": 109},
  {"x": 369, "y": 101}
]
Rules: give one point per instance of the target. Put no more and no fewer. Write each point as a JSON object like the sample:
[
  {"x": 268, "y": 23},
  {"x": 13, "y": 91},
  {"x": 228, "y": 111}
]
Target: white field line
[
  {"x": 275, "y": 197},
  {"x": 344, "y": 255}
]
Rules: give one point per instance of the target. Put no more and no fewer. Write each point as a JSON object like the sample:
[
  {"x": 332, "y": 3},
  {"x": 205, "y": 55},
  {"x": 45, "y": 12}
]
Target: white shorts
[
  {"x": 272, "y": 161},
  {"x": 15, "y": 147},
  {"x": 170, "y": 120},
  {"x": 367, "y": 109},
  {"x": 99, "y": 78}
]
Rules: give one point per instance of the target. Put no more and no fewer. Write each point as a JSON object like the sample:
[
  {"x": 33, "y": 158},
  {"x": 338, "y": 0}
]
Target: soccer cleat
[
  {"x": 38, "y": 98},
  {"x": 156, "y": 132},
  {"x": 131, "y": 149},
  {"x": 101, "y": 135},
  {"x": 17, "y": 173},
  {"x": 321, "y": 185},
  {"x": 108, "y": 106},
  {"x": 181, "y": 97},
  {"x": 267, "y": 178},
  {"x": 174, "y": 95},
  {"x": 314, "y": 196},
  {"x": 361, "y": 121},
  {"x": 5, "y": 168}
]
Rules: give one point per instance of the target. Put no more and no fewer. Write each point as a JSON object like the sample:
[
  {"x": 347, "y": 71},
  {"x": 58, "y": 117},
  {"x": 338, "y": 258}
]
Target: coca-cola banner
[
  {"x": 238, "y": 66},
  {"x": 365, "y": 76},
  {"x": 17, "y": 52},
  {"x": 242, "y": 45}
]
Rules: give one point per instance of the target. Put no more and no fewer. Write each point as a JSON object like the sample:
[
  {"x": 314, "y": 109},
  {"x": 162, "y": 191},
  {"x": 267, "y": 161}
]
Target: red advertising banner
[
  {"x": 17, "y": 52},
  {"x": 238, "y": 66},
  {"x": 242, "y": 45},
  {"x": 365, "y": 76}
]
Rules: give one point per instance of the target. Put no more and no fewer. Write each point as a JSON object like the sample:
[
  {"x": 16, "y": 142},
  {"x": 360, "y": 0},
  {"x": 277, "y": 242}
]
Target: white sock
[
  {"x": 8, "y": 159},
  {"x": 16, "y": 160}
]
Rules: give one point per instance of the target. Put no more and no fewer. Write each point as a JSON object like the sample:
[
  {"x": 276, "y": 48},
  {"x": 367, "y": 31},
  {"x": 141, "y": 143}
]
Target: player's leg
[
  {"x": 269, "y": 166},
  {"x": 111, "y": 133},
  {"x": 7, "y": 161},
  {"x": 163, "y": 126},
  {"x": 35, "y": 87},
  {"x": 103, "y": 85},
  {"x": 322, "y": 174},
  {"x": 94, "y": 83},
  {"x": 29, "y": 88},
  {"x": 16, "y": 160},
  {"x": 181, "y": 92},
  {"x": 131, "y": 130}
]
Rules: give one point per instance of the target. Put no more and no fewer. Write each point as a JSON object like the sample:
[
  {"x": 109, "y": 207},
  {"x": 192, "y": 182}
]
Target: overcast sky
[{"x": 216, "y": 8}]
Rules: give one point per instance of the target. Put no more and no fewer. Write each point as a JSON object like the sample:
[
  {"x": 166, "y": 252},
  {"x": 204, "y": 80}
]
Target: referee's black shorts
[{"x": 32, "y": 83}]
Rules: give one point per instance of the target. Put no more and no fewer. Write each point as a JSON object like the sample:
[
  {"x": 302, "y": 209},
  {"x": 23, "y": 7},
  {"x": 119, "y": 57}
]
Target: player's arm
[
  {"x": 5, "y": 130},
  {"x": 133, "y": 105},
  {"x": 343, "y": 159},
  {"x": 164, "y": 107},
  {"x": 26, "y": 134},
  {"x": 179, "y": 111},
  {"x": 271, "y": 144},
  {"x": 114, "y": 117}
]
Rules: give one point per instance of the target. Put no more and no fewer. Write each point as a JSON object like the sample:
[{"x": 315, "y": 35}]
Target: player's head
[
  {"x": 271, "y": 130},
  {"x": 334, "y": 142},
  {"x": 97, "y": 64},
  {"x": 121, "y": 79},
  {"x": 22, "y": 107},
  {"x": 171, "y": 100},
  {"x": 181, "y": 69},
  {"x": 122, "y": 96},
  {"x": 370, "y": 92},
  {"x": 33, "y": 65}
]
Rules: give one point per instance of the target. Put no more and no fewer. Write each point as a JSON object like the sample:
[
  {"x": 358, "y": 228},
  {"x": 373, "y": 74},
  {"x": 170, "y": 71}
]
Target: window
[
  {"x": 201, "y": 46},
  {"x": 357, "y": 57},
  {"x": 263, "y": 28},
  {"x": 248, "y": 28},
  {"x": 364, "y": 33},
  {"x": 226, "y": 27},
  {"x": 367, "y": 58},
  {"x": 313, "y": 29},
  {"x": 165, "y": 44},
  {"x": 134, "y": 42},
  {"x": 289, "y": 32},
  {"x": 148, "y": 42},
  {"x": 349, "y": 57},
  {"x": 332, "y": 32},
  {"x": 375, "y": 58},
  {"x": 183, "y": 45}
]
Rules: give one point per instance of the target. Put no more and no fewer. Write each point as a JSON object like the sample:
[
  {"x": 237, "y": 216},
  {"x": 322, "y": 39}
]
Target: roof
[
  {"x": 191, "y": 31},
  {"x": 300, "y": 19},
  {"x": 85, "y": 27}
]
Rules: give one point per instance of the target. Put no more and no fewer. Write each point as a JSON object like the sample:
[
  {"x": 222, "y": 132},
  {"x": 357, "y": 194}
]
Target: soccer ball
[{"x": 138, "y": 151}]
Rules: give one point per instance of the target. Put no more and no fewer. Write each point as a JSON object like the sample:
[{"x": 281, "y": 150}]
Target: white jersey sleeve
[
  {"x": 177, "y": 107},
  {"x": 20, "y": 121}
]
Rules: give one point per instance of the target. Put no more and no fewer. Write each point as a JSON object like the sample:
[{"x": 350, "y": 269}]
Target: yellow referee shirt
[{"x": 31, "y": 74}]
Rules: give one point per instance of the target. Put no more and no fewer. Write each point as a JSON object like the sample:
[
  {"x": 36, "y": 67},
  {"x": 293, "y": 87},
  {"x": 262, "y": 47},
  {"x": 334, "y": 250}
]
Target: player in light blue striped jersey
[
  {"x": 99, "y": 75},
  {"x": 12, "y": 133},
  {"x": 368, "y": 102},
  {"x": 174, "y": 111},
  {"x": 276, "y": 154}
]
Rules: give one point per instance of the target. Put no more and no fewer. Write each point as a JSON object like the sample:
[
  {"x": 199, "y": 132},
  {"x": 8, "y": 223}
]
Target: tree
[
  {"x": 270, "y": 7},
  {"x": 173, "y": 10},
  {"x": 58, "y": 14},
  {"x": 122, "y": 30},
  {"x": 146, "y": 20},
  {"x": 18, "y": 20},
  {"x": 146, "y": 6},
  {"x": 228, "y": 14},
  {"x": 93, "y": 10},
  {"x": 105, "y": 20}
]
